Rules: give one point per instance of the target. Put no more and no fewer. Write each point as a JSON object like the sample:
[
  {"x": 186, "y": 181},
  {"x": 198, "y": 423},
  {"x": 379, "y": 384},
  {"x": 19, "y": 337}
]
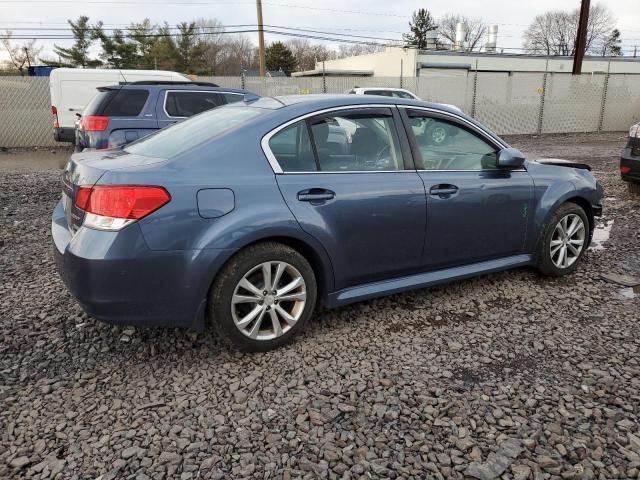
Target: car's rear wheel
[
  {"x": 565, "y": 240},
  {"x": 263, "y": 297},
  {"x": 634, "y": 188}
]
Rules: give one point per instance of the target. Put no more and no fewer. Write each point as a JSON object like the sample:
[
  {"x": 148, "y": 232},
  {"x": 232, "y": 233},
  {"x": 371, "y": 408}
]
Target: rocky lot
[{"x": 510, "y": 375}]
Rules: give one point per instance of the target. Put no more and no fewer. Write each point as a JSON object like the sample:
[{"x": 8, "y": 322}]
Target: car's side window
[
  {"x": 446, "y": 145},
  {"x": 400, "y": 94},
  {"x": 232, "y": 97},
  {"x": 380, "y": 93},
  {"x": 292, "y": 148},
  {"x": 187, "y": 104},
  {"x": 356, "y": 142}
]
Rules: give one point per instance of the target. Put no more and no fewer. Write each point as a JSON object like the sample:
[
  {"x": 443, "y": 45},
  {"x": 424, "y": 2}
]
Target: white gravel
[{"x": 510, "y": 375}]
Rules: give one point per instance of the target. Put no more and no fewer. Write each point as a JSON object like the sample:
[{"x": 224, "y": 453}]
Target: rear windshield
[
  {"x": 117, "y": 103},
  {"x": 190, "y": 133}
]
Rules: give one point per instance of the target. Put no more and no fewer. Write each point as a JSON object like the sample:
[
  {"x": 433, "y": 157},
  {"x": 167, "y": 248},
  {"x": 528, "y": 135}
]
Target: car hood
[{"x": 559, "y": 162}]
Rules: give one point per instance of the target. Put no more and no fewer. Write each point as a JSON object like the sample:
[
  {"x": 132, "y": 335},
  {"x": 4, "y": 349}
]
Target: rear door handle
[
  {"x": 441, "y": 190},
  {"x": 315, "y": 195}
]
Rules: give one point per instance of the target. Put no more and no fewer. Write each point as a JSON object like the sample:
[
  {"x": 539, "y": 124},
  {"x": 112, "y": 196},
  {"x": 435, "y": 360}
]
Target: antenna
[{"x": 125, "y": 78}]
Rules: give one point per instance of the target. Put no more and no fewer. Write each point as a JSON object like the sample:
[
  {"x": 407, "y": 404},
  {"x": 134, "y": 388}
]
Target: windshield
[{"x": 192, "y": 132}]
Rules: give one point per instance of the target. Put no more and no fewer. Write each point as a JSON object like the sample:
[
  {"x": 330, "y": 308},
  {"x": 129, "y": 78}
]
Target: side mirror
[{"x": 510, "y": 158}]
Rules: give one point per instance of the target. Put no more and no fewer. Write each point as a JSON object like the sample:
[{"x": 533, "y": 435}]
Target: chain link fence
[{"x": 506, "y": 102}]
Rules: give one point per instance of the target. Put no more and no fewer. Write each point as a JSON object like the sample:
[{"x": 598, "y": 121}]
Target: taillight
[
  {"x": 94, "y": 123},
  {"x": 54, "y": 110},
  {"x": 112, "y": 207},
  {"x": 625, "y": 169}
]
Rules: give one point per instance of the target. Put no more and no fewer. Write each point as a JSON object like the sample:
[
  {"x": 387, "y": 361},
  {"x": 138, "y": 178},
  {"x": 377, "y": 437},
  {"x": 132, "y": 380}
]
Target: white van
[{"x": 72, "y": 89}]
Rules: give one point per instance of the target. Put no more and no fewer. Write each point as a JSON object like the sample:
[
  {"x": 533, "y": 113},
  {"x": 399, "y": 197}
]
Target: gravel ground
[{"x": 510, "y": 375}]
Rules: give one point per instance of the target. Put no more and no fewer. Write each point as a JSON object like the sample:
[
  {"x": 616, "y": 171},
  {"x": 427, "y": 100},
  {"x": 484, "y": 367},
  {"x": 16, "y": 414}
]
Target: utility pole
[
  {"x": 635, "y": 51},
  {"x": 581, "y": 37},
  {"x": 261, "y": 52}
]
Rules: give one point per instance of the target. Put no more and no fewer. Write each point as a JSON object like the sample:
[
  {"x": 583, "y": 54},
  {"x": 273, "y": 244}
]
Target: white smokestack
[
  {"x": 460, "y": 34},
  {"x": 492, "y": 38}
]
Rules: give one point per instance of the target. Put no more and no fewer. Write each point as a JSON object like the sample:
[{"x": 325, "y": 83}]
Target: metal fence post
[
  {"x": 475, "y": 91},
  {"x": 242, "y": 82},
  {"x": 400, "y": 73},
  {"x": 603, "y": 105},
  {"x": 543, "y": 94},
  {"x": 324, "y": 80}
]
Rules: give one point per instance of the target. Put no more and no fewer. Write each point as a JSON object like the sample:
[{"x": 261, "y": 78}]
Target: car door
[
  {"x": 347, "y": 178},
  {"x": 176, "y": 105},
  {"x": 475, "y": 210}
]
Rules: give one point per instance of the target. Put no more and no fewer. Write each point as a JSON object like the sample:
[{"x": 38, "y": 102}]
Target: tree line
[
  {"x": 201, "y": 47},
  {"x": 205, "y": 47}
]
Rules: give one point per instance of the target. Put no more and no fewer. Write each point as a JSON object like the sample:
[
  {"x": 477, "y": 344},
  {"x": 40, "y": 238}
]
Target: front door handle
[
  {"x": 315, "y": 195},
  {"x": 443, "y": 190}
]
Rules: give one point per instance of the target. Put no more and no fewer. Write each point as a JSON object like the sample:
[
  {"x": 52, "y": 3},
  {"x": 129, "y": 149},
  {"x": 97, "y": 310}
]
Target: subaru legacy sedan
[{"x": 251, "y": 215}]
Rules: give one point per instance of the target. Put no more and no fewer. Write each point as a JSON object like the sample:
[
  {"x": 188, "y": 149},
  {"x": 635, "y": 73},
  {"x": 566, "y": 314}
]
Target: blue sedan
[{"x": 251, "y": 215}]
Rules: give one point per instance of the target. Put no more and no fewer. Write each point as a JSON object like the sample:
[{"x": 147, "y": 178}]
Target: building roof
[{"x": 318, "y": 72}]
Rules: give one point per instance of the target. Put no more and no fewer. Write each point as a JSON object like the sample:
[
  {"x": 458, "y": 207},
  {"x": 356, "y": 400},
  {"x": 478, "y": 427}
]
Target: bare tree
[
  {"x": 474, "y": 29},
  {"x": 20, "y": 54},
  {"x": 554, "y": 32},
  {"x": 211, "y": 33},
  {"x": 353, "y": 49},
  {"x": 307, "y": 54},
  {"x": 242, "y": 55}
]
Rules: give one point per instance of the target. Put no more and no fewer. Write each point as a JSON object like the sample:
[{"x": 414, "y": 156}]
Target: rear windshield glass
[
  {"x": 190, "y": 133},
  {"x": 117, "y": 103}
]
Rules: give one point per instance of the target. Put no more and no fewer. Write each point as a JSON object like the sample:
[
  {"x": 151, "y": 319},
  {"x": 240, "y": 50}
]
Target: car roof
[
  {"x": 392, "y": 89},
  {"x": 174, "y": 86},
  {"x": 321, "y": 101}
]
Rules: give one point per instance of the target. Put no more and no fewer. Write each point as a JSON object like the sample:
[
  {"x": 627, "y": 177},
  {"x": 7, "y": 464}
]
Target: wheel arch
[
  {"x": 312, "y": 251},
  {"x": 588, "y": 209}
]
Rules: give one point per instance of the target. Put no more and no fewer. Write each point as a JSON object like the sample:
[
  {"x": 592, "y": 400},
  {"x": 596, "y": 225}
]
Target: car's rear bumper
[
  {"x": 117, "y": 279},
  {"x": 632, "y": 162}
]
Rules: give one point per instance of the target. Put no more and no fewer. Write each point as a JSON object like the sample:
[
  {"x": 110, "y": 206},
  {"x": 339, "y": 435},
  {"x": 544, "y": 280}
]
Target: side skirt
[{"x": 421, "y": 280}]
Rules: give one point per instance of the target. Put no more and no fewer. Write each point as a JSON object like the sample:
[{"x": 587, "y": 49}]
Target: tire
[
  {"x": 245, "y": 314},
  {"x": 549, "y": 257},
  {"x": 634, "y": 188}
]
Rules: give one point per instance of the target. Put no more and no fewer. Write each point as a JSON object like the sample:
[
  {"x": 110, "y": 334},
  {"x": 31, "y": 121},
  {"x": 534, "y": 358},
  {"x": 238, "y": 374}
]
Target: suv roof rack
[{"x": 170, "y": 82}]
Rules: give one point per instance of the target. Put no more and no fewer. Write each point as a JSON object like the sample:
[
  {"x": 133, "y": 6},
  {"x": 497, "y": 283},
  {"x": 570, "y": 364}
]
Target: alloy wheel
[
  {"x": 567, "y": 241},
  {"x": 439, "y": 135},
  {"x": 268, "y": 300}
]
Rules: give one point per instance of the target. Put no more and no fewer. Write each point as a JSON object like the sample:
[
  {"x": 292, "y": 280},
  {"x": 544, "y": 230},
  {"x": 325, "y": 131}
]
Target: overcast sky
[{"x": 377, "y": 18}]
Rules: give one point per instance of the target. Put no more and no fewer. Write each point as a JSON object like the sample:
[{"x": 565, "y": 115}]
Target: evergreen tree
[
  {"x": 117, "y": 51},
  {"x": 612, "y": 44},
  {"x": 420, "y": 25},
  {"x": 280, "y": 57},
  {"x": 84, "y": 35},
  {"x": 189, "y": 48}
]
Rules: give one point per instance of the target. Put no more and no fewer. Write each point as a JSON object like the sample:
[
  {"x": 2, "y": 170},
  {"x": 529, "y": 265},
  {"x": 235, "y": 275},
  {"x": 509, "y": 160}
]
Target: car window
[
  {"x": 117, "y": 103},
  {"x": 184, "y": 136},
  {"x": 292, "y": 148},
  {"x": 126, "y": 103},
  {"x": 401, "y": 94},
  {"x": 232, "y": 97},
  {"x": 447, "y": 146},
  {"x": 356, "y": 142},
  {"x": 382, "y": 93},
  {"x": 187, "y": 104}
]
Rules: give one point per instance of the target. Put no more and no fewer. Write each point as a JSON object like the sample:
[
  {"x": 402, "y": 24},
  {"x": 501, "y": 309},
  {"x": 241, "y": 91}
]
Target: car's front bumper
[{"x": 117, "y": 279}]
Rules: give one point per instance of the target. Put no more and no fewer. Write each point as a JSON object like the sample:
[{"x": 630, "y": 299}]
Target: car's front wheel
[
  {"x": 565, "y": 240},
  {"x": 263, "y": 297}
]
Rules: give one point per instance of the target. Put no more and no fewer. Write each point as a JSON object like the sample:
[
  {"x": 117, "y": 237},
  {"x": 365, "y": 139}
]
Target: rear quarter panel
[{"x": 231, "y": 162}]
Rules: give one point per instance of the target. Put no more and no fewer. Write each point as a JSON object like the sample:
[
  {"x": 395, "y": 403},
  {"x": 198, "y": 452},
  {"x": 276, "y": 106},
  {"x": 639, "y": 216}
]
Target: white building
[{"x": 409, "y": 62}]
